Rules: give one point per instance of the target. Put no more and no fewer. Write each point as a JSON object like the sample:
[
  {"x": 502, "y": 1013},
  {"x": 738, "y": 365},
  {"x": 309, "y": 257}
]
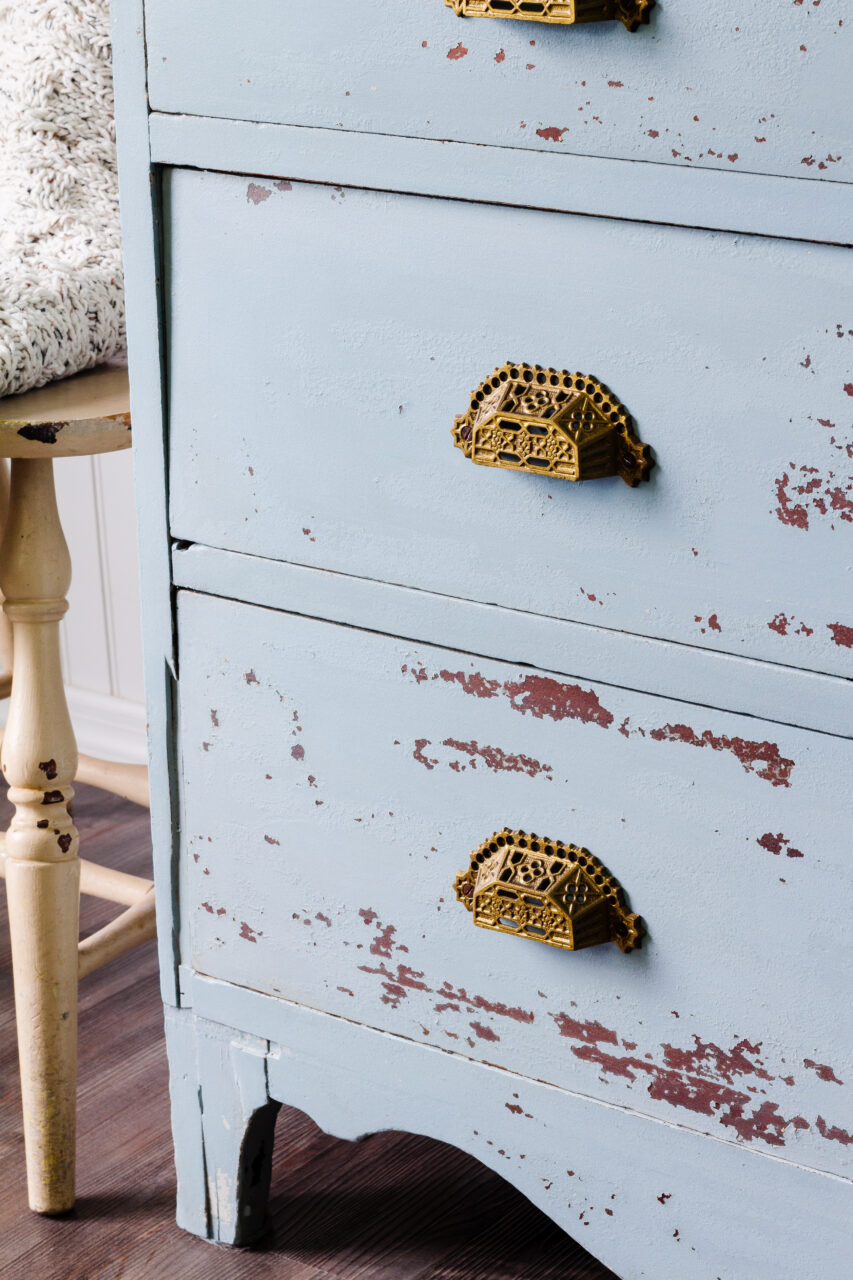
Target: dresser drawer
[
  {"x": 735, "y": 85},
  {"x": 313, "y": 387},
  {"x": 335, "y": 781}
]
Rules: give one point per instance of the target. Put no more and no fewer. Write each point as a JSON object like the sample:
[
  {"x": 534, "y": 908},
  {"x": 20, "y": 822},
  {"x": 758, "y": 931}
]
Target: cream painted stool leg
[{"x": 42, "y": 869}]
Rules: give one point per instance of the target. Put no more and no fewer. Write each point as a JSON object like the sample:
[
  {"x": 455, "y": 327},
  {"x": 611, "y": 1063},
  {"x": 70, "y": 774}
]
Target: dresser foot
[{"x": 223, "y": 1121}]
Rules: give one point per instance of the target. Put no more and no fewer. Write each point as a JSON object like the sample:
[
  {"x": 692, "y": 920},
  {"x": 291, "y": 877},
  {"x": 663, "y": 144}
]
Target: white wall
[{"x": 101, "y": 636}]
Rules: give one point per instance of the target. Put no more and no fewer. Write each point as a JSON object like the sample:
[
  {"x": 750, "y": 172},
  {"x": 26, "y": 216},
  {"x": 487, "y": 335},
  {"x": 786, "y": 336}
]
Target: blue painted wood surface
[
  {"x": 735, "y": 84},
  {"x": 696, "y": 1119},
  {"x": 711, "y": 198},
  {"x": 686, "y": 672},
  {"x": 365, "y": 321},
  {"x": 649, "y": 1200},
  {"x": 141, "y": 238},
  {"x": 367, "y": 769}
]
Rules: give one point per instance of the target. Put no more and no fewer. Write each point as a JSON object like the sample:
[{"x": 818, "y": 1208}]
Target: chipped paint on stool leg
[{"x": 39, "y": 760}]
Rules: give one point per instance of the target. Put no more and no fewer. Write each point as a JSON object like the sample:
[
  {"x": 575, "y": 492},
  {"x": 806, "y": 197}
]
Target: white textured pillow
[{"x": 61, "y": 295}]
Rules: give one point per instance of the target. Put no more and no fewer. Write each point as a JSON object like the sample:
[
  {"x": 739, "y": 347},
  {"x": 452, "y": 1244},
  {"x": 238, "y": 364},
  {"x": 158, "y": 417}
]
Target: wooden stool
[{"x": 85, "y": 414}]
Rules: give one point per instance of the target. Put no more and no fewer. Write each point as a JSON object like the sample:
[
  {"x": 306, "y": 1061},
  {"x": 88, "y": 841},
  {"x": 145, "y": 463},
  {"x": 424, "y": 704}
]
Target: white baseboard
[{"x": 110, "y": 728}]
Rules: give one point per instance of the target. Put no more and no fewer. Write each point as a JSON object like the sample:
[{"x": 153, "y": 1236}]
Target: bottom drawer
[{"x": 335, "y": 781}]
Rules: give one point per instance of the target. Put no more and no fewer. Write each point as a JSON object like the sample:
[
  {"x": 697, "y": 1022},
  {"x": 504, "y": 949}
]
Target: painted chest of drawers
[{"x": 369, "y": 658}]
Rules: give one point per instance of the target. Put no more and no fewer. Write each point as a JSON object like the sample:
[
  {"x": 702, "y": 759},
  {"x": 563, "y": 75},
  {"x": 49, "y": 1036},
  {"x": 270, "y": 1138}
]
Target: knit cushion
[{"x": 61, "y": 298}]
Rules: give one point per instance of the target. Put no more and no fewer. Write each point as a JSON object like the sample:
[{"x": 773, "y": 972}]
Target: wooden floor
[{"x": 394, "y": 1207}]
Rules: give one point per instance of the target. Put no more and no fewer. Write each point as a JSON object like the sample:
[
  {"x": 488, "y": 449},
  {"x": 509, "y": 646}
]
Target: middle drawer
[{"x": 321, "y": 342}]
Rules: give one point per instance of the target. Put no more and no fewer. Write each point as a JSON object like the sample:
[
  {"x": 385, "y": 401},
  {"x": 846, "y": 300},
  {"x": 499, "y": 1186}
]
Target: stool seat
[{"x": 83, "y": 414}]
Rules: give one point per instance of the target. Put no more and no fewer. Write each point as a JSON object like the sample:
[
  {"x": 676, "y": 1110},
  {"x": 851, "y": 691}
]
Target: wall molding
[{"x": 108, "y": 727}]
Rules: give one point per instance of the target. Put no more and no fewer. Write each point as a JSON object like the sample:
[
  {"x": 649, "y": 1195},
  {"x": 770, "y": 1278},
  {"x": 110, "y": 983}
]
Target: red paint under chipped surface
[
  {"x": 700, "y": 1079},
  {"x": 804, "y": 493},
  {"x": 761, "y": 758},
  {"x": 494, "y": 758},
  {"x": 540, "y": 696},
  {"x": 473, "y": 683},
  {"x": 544, "y": 697},
  {"x": 551, "y": 133},
  {"x": 458, "y": 52},
  {"x": 396, "y": 986},
  {"x": 497, "y": 760},
  {"x": 589, "y": 1032},
  {"x": 777, "y": 843},
  {"x": 483, "y": 1032},
  {"x": 727, "y": 1064},
  {"x": 732, "y": 1085},
  {"x": 383, "y": 943},
  {"x": 471, "y": 1003},
  {"x": 419, "y": 755},
  {"x": 781, "y": 622},
  {"x": 841, "y": 635},
  {"x": 822, "y": 1071},
  {"x": 833, "y": 1133}
]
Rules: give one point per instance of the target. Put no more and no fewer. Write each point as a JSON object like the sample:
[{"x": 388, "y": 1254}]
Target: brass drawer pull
[
  {"x": 631, "y": 12},
  {"x": 547, "y": 891},
  {"x": 559, "y": 424}
]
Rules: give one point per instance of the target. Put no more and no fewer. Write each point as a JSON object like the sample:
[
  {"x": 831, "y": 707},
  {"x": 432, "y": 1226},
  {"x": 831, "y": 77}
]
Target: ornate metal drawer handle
[
  {"x": 548, "y": 891},
  {"x": 560, "y": 424},
  {"x": 631, "y": 12}
]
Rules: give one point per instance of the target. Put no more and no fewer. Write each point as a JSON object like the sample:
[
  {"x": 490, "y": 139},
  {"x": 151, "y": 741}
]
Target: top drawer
[{"x": 737, "y": 85}]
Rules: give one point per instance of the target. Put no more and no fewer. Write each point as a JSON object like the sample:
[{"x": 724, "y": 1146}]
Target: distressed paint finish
[
  {"x": 712, "y": 1063},
  {"x": 711, "y": 198},
  {"x": 373, "y": 766},
  {"x": 634, "y": 1192},
  {"x": 141, "y": 239},
  {"x": 734, "y": 85},
  {"x": 689, "y": 673},
  {"x": 732, "y": 355}
]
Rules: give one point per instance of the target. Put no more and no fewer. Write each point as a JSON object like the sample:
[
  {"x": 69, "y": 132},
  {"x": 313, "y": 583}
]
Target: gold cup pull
[
  {"x": 547, "y": 891},
  {"x": 630, "y": 12},
  {"x": 564, "y": 425}
]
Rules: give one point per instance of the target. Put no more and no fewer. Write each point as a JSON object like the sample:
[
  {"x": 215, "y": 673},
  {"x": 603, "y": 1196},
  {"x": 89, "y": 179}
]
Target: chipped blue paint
[
  {"x": 738, "y": 84},
  {"x": 320, "y": 785},
  {"x": 335, "y": 426},
  {"x": 702, "y": 1211},
  {"x": 369, "y": 768}
]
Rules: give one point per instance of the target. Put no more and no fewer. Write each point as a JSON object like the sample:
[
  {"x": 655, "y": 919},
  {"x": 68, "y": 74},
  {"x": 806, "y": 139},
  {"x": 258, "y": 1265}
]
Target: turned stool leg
[{"x": 39, "y": 760}]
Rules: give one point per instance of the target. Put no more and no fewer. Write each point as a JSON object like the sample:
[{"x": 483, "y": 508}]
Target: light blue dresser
[{"x": 368, "y": 656}]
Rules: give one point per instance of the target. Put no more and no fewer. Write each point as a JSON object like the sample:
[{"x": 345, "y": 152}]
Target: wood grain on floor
[{"x": 393, "y": 1207}]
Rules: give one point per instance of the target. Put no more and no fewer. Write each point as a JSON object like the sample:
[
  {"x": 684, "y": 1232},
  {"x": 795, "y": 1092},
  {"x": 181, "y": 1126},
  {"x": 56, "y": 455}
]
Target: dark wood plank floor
[{"x": 394, "y": 1207}]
